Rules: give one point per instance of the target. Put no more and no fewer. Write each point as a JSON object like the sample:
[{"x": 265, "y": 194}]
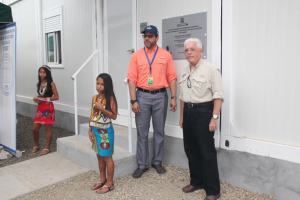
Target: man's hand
[
  {"x": 136, "y": 108},
  {"x": 213, "y": 124},
  {"x": 180, "y": 122},
  {"x": 173, "y": 105},
  {"x": 91, "y": 136}
]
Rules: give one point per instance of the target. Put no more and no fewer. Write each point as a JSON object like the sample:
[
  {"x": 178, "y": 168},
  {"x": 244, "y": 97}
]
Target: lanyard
[{"x": 152, "y": 58}]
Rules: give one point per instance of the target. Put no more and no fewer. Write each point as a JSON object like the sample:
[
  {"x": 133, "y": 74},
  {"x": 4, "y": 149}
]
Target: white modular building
[{"x": 254, "y": 43}]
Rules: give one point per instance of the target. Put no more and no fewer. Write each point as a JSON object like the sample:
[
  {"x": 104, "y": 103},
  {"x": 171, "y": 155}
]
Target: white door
[{"x": 119, "y": 31}]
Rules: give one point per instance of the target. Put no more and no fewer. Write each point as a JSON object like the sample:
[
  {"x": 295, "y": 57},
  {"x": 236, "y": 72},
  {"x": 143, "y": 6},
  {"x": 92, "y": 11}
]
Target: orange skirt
[{"x": 45, "y": 113}]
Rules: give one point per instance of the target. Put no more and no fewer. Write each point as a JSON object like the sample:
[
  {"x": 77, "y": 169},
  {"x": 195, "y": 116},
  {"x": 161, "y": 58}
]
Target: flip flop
[
  {"x": 105, "y": 186},
  {"x": 48, "y": 151},
  {"x": 35, "y": 149},
  {"x": 101, "y": 185}
]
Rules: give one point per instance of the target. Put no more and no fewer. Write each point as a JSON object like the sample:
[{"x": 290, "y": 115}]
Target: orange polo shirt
[{"x": 162, "y": 69}]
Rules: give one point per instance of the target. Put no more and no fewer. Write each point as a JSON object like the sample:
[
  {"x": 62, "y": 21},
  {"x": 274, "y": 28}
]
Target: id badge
[{"x": 150, "y": 80}]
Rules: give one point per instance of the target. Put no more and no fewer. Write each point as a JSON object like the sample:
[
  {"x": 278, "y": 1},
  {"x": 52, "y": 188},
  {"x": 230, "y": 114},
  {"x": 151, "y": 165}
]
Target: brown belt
[
  {"x": 152, "y": 91},
  {"x": 198, "y": 105}
]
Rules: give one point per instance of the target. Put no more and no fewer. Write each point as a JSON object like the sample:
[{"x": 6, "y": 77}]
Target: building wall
[
  {"x": 252, "y": 53},
  {"x": 154, "y": 11},
  {"x": 265, "y": 68},
  {"x": 27, "y": 67},
  {"x": 77, "y": 47}
]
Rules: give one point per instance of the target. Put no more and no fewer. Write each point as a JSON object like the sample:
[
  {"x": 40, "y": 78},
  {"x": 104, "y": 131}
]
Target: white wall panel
[
  {"x": 77, "y": 47},
  {"x": 266, "y": 38},
  {"x": 153, "y": 11},
  {"x": 119, "y": 25},
  {"x": 27, "y": 70}
]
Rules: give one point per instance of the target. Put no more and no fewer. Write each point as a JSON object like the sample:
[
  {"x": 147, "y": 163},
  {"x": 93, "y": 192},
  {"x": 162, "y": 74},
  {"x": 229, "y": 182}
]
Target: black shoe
[
  {"x": 138, "y": 172},
  {"x": 159, "y": 169}
]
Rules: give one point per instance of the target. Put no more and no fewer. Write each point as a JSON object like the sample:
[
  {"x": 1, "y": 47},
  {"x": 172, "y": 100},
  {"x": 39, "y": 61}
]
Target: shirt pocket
[
  {"x": 160, "y": 66},
  {"x": 199, "y": 87},
  {"x": 143, "y": 69}
]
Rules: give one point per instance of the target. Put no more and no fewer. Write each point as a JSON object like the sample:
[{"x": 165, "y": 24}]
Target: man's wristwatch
[
  {"x": 133, "y": 101},
  {"x": 215, "y": 116}
]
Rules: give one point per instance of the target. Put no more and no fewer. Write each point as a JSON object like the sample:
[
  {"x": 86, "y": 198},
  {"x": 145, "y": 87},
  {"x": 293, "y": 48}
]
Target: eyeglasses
[
  {"x": 187, "y": 50},
  {"x": 189, "y": 83},
  {"x": 149, "y": 36}
]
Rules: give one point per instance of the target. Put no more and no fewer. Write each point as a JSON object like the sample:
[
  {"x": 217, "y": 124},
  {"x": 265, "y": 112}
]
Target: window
[
  {"x": 53, "y": 48},
  {"x": 53, "y": 36}
]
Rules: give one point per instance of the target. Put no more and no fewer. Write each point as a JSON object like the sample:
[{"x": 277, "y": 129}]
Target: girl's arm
[
  {"x": 91, "y": 136},
  {"x": 53, "y": 98},
  {"x": 35, "y": 99},
  {"x": 111, "y": 114},
  {"x": 55, "y": 93}
]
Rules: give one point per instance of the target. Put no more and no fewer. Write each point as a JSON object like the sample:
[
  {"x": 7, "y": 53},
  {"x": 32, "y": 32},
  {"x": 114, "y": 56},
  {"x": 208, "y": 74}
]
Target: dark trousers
[{"x": 199, "y": 146}]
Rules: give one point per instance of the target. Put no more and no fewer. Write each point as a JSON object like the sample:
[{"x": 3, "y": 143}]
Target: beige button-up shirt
[{"x": 205, "y": 83}]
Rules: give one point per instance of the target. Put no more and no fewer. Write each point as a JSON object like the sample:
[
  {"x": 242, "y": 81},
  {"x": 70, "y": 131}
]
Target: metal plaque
[
  {"x": 143, "y": 25},
  {"x": 177, "y": 29}
]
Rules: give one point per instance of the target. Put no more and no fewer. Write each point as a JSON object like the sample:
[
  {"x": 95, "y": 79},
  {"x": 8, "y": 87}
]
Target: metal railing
[
  {"x": 129, "y": 119},
  {"x": 74, "y": 77}
]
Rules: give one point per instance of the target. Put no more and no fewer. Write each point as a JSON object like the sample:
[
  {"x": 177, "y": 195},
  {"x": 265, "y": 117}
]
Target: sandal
[
  {"x": 105, "y": 186},
  {"x": 35, "y": 149},
  {"x": 94, "y": 186},
  {"x": 47, "y": 151}
]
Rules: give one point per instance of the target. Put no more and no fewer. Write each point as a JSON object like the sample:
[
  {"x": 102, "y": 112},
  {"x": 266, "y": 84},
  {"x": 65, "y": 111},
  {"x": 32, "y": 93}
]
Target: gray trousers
[{"x": 154, "y": 105}]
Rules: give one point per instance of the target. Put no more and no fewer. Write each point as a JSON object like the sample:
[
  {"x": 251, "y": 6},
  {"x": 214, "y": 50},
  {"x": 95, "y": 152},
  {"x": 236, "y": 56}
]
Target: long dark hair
[
  {"x": 108, "y": 90},
  {"x": 48, "y": 77}
]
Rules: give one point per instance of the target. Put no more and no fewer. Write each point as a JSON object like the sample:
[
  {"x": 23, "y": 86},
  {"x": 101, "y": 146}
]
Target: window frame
[{"x": 58, "y": 58}]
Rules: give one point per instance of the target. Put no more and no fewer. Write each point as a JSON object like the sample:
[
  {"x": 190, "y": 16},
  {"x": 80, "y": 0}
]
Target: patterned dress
[
  {"x": 103, "y": 131},
  {"x": 45, "y": 113}
]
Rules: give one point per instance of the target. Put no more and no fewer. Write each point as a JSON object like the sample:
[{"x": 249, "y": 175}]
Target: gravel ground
[
  {"x": 25, "y": 141},
  {"x": 149, "y": 186}
]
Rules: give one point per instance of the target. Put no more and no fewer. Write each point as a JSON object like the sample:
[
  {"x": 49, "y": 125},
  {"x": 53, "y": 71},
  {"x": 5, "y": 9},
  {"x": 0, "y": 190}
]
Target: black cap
[{"x": 151, "y": 29}]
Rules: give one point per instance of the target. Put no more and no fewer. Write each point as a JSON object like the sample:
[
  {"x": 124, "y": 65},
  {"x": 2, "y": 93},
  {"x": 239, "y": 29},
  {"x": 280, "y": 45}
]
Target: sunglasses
[
  {"x": 189, "y": 83},
  {"x": 148, "y": 36}
]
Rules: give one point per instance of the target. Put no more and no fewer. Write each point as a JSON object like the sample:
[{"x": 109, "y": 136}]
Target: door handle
[{"x": 130, "y": 50}]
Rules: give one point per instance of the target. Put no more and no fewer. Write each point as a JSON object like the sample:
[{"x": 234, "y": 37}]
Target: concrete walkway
[{"x": 31, "y": 175}]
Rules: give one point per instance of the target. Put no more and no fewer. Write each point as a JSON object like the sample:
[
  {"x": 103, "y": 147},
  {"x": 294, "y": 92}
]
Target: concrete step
[
  {"x": 121, "y": 136},
  {"x": 79, "y": 150},
  {"x": 34, "y": 174}
]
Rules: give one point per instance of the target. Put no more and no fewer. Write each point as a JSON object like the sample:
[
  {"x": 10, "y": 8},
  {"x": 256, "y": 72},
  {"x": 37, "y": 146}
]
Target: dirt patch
[{"x": 25, "y": 140}]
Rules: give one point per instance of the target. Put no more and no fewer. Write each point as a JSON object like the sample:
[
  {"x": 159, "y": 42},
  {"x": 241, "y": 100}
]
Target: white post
[
  {"x": 129, "y": 122},
  {"x": 75, "y": 106},
  {"x": 97, "y": 65}
]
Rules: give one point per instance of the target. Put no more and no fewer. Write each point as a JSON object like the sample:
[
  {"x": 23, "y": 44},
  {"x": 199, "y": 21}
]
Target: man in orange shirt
[{"x": 151, "y": 71}]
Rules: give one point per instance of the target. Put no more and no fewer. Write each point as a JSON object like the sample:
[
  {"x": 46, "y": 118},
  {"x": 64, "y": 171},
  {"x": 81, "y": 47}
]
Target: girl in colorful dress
[
  {"x": 101, "y": 131},
  {"x": 47, "y": 93}
]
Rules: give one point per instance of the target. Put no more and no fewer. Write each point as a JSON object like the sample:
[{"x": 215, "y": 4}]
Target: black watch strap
[{"x": 133, "y": 101}]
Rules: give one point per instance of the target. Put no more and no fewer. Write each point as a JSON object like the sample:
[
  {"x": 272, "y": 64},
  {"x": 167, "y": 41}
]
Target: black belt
[
  {"x": 152, "y": 91},
  {"x": 197, "y": 105}
]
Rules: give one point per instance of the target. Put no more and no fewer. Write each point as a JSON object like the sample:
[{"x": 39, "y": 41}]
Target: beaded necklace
[
  {"x": 42, "y": 89},
  {"x": 95, "y": 111}
]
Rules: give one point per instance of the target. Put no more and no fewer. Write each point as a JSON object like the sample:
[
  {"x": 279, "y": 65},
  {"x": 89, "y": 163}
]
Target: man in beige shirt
[{"x": 201, "y": 97}]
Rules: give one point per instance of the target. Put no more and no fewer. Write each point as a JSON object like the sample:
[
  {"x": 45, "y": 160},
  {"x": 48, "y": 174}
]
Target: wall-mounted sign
[
  {"x": 177, "y": 29},
  {"x": 143, "y": 25}
]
